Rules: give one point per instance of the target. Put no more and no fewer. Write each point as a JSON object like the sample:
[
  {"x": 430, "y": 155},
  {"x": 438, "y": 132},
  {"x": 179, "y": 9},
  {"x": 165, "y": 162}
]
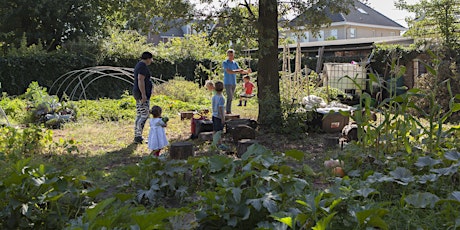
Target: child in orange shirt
[{"x": 248, "y": 87}]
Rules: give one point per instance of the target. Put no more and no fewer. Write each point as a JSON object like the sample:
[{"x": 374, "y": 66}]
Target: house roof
[
  {"x": 359, "y": 14},
  {"x": 355, "y": 42},
  {"x": 348, "y": 44},
  {"x": 174, "y": 27},
  {"x": 173, "y": 32}
]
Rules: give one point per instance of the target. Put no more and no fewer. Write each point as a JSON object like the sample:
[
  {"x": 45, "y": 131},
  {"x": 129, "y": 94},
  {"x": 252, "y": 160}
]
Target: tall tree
[
  {"x": 48, "y": 21},
  {"x": 53, "y": 22},
  {"x": 435, "y": 21}
]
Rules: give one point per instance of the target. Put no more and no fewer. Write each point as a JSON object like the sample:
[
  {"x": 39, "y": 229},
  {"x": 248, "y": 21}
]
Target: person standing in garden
[
  {"x": 248, "y": 86},
  {"x": 142, "y": 90},
  {"x": 231, "y": 68}
]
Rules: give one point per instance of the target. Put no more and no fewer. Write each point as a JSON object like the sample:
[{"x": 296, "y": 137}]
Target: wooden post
[
  {"x": 320, "y": 59},
  {"x": 181, "y": 150},
  {"x": 243, "y": 146},
  {"x": 308, "y": 80},
  {"x": 298, "y": 67},
  {"x": 284, "y": 70}
]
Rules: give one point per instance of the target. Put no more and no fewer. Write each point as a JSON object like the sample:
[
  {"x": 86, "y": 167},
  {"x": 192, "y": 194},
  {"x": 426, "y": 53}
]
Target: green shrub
[
  {"x": 118, "y": 213},
  {"x": 15, "y": 109},
  {"x": 171, "y": 106},
  {"x": 39, "y": 197},
  {"x": 183, "y": 90},
  {"x": 37, "y": 106},
  {"x": 24, "y": 141},
  {"x": 107, "y": 109}
]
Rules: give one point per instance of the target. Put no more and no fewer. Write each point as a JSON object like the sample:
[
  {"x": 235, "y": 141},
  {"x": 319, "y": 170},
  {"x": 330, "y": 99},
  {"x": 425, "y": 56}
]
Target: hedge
[{"x": 16, "y": 73}]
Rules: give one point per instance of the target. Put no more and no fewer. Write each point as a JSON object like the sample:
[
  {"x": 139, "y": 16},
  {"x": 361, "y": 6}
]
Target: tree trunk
[{"x": 268, "y": 76}]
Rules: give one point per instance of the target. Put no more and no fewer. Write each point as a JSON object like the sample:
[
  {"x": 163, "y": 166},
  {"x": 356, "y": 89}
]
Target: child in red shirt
[{"x": 248, "y": 87}]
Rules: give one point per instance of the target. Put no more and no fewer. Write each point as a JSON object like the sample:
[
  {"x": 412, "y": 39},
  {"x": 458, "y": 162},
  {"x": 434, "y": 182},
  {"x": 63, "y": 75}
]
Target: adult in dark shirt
[{"x": 142, "y": 91}]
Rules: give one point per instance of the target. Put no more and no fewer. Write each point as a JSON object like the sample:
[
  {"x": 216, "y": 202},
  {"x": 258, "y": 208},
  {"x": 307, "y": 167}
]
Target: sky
[{"x": 387, "y": 8}]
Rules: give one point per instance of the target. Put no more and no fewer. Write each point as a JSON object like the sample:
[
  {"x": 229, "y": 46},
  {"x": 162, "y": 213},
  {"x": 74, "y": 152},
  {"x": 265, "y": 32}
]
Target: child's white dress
[{"x": 157, "y": 135}]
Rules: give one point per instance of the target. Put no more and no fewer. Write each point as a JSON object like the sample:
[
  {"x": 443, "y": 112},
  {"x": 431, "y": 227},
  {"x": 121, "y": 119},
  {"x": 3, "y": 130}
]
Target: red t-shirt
[{"x": 248, "y": 86}]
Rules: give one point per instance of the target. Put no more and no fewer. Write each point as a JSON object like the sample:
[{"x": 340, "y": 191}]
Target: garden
[
  {"x": 86, "y": 173},
  {"x": 68, "y": 160}
]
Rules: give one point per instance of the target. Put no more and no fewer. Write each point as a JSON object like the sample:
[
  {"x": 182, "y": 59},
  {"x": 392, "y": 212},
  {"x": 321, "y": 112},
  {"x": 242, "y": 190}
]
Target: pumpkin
[{"x": 338, "y": 171}]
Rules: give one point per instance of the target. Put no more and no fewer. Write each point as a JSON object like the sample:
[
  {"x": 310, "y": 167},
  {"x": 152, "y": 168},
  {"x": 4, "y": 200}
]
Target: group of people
[{"x": 142, "y": 91}]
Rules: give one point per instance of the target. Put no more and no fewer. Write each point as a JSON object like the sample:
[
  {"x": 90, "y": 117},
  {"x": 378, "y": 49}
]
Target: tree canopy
[
  {"x": 51, "y": 22},
  {"x": 435, "y": 21}
]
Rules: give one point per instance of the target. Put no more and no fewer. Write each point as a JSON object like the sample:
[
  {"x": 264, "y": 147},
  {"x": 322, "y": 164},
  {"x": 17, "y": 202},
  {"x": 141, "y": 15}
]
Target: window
[
  {"x": 304, "y": 37},
  {"x": 352, "y": 32},
  {"x": 361, "y": 10},
  {"x": 334, "y": 33},
  {"x": 392, "y": 34},
  {"x": 321, "y": 35}
]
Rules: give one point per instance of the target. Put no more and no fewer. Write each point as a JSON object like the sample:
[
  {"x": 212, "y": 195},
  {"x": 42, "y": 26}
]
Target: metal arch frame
[{"x": 76, "y": 78}]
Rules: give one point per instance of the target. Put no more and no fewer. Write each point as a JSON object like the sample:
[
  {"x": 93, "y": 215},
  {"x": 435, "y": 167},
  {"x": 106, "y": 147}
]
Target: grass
[{"x": 105, "y": 148}]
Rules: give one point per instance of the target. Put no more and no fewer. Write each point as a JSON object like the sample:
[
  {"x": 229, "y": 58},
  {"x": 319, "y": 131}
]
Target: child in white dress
[{"x": 157, "y": 135}]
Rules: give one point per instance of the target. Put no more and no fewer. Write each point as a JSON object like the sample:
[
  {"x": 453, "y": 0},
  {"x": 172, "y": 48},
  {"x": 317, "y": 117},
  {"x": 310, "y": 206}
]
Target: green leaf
[
  {"x": 455, "y": 195},
  {"x": 286, "y": 220},
  {"x": 402, "y": 175},
  {"x": 256, "y": 203},
  {"x": 92, "y": 213},
  {"x": 455, "y": 107},
  {"x": 452, "y": 155},
  {"x": 422, "y": 199},
  {"x": 426, "y": 161},
  {"x": 41, "y": 169},
  {"x": 254, "y": 150},
  {"x": 215, "y": 138},
  {"x": 153, "y": 220},
  {"x": 237, "y": 194},
  {"x": 324, "y": 222},
  {"x": 332, "y": 206},
  {"x": 301, "y": 202},
  {"x": 218, "y": 162},
  {"x": 426, "y": 178},
  {"x": 372, "y": 217},
  {"x": 93, "y": 193},
  {"x": 365, "y": 192},
  {"x": 407, "y": 146},
  {"x": 268, "y": 201},
  {"x": 57, "y": 197},
  {"x": 296, "y": 154},
  {"x": 446, "y": 171},
  {"x": 378, "y": 222},
  {"x": 414, "y": 91}
]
